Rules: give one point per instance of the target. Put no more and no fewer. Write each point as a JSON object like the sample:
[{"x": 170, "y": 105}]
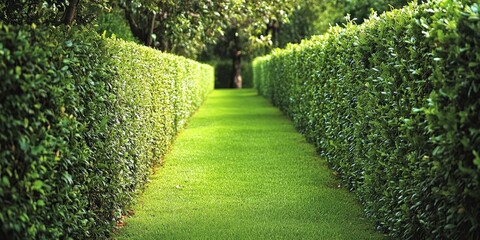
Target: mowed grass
[{"x": 241, "y": 171}]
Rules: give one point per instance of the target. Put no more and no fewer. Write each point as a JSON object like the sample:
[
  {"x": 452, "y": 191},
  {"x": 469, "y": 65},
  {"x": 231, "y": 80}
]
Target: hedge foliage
[
  {"x": 394, "y": 106},
  {"x": 82, "y": 120}
]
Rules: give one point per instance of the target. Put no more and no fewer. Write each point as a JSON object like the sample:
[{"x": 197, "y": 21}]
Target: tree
[
  {"x": 70, "y": 11},
  {"x": 252, "y": 29}
]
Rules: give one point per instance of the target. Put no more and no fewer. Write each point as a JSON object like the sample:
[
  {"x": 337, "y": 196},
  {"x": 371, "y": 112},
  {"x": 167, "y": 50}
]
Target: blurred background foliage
[{"x": 213, "y": 31}]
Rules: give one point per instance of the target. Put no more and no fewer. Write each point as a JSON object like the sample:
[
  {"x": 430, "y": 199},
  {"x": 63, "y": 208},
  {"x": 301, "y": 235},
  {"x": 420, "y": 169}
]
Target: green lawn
[{"x": 241, "y": 171}]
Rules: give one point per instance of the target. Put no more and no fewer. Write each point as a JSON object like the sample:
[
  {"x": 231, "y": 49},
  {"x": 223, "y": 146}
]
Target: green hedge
[
  {"x": 394, "y": 106},
  {"x": 82, "y": 121}
]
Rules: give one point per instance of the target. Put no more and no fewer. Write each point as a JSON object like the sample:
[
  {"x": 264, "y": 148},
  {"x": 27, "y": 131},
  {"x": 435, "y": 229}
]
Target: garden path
[{"x": 240, "y": 171}]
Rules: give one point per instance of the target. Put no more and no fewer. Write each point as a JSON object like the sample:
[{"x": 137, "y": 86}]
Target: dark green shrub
[
  {"x": 82, "y": 120},
  {"x": 393, "y": 106}
]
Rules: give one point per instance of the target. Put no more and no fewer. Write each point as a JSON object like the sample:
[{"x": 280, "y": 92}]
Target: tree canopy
[{"x": 181, "y": 27}]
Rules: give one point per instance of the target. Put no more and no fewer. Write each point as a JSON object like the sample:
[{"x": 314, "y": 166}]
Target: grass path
[{"x": 240, "y": 171}]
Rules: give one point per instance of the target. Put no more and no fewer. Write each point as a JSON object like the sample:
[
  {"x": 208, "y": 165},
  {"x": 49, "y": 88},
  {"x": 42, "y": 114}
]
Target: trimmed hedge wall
[
  {"x": 82, "y": 121},
  {"x": 394, "y": 106}
]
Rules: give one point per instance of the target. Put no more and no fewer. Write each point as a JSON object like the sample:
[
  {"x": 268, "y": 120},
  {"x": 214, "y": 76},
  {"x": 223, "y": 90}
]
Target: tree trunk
[
  {"x": 237, "y": 60},
  {"x": 134, "y": 27},
  {"x": 275, "y": 34},
  {"x": 151, "y": 27},
  {"x": 70, "y": 12},
  {"x": 274, "y": 28},
  {"x": 237, "y": 70},
  {"x": 163, "y": 43}
]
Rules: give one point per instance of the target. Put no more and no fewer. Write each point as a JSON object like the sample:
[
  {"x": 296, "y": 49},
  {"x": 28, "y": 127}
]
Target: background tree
[
  {"x": 181, "y": 27},
  {"x": 186, "y": 27},
  {"x": 361, "y": 9},
  {"x": 314, "y": 17},
  {"x": 252, "y": 29},
  {"x": 113, "y": 23}
]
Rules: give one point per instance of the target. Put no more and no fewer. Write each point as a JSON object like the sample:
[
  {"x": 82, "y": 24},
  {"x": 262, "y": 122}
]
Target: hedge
[
  {"x": 82, "y": 121},
  {"x": 394, "y": 106}
]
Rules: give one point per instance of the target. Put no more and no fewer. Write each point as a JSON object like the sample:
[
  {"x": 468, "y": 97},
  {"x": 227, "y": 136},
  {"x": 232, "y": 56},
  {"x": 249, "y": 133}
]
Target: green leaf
[
  {"x": 476, "y": 161},
  {"x": 24, "y": 217},
  {"x": 37, "y": 186},
  {"x": 67, "y": 178},
  {"x": 41, "y": 203},
  {"x": 23, "y": 142},
  {"x": 5, "y": 181},
  {"x": 440, "y": 35},
  {"x": 449, "y": 226}
]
